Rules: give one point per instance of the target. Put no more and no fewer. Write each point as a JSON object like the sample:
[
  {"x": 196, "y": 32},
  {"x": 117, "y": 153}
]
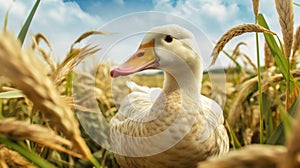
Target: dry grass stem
[
  {"x": 278, "y": 78},
  {"x": 250, "y": 62},
  {"x": 269, "y": 59},
  {"x": 258, "y": 156},
  {"x": 296, "y": 44},
  {"x": 255, "y": 4},
  {"x": 236, "y": 52},
  {"x": 236, "y": 31},
  {"x": 46, "y": 56},
  {"x": 29, "y": 75},
  {"x": 235, "y": 110},
  {"x": 285, "y": 11},
  {"x": 12, "y": 159},
  {"x": 87, "y": 34},
  {"x": 72, "y": 59}
]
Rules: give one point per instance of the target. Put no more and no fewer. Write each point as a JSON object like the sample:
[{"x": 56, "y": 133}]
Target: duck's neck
[{"x": 187, "y": 80}]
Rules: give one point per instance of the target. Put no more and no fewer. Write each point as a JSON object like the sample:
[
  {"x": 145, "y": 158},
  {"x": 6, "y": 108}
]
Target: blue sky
[
  {"x": 210, "y": 21},
  {"x": 112, "y": 9},
  {"x": 62, "y": 21}
]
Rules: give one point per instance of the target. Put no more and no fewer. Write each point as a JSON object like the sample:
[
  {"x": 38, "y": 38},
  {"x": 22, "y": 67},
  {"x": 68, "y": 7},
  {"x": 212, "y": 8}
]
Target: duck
[{"x": 172, "y": 126}]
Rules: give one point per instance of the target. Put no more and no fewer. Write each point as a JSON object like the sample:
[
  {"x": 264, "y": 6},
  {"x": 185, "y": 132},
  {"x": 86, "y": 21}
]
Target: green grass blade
[
  {"x": 261, "y": 116},
  {"x": 268, "y": 115},
  {"x": 287, "y": 121},
  {"x": 279, "y": 57},
  {"x": 5, "y": 21},
  {"x": 95, "y": 162},
  {"x": 277, "y": 137},
  {"x": 25, "y": 27},
  {"x": 69, "y": 84},
  {"x": 11, "y": 94},
  {"x": 239, "y": 67},
  {"x": 32, "y": 157},
  {"x": 234, "y": 140}
]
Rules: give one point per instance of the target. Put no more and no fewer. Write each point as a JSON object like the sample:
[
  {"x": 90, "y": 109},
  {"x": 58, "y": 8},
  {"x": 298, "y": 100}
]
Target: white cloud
[
  {"x": 209, "y": 15},
  {"x": 215, "y": 17},
  {"x": 61, "y": 22},
  {"x": 120, "y": 2},
  {"x": 219, "y": 11}
]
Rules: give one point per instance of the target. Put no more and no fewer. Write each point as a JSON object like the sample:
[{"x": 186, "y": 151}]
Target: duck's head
[{"x": 166, "y": 48}]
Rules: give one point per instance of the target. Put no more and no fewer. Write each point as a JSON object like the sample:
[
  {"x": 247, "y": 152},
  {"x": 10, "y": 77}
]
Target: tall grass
[
  {"x": 261, "y": 102},
  {"x": 277, "y": 99}
]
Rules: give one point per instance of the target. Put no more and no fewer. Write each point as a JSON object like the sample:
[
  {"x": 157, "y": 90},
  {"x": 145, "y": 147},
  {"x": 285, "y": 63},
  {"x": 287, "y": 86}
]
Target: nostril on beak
[
  {"x": 140, "y": 54},
  {"x": 112, "y": 73}
]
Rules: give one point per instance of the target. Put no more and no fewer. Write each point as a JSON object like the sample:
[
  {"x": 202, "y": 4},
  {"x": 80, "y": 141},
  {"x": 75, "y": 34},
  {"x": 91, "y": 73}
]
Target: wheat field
[{"x": 39, "y": 126}]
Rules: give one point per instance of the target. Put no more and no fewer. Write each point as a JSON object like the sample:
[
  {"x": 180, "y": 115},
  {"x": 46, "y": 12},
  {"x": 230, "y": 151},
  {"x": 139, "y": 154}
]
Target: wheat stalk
[
  {"x": 235, "y": 110},
  {"x": 46, "y": 56},
  {"x": 72, "y": 59},
  {"x": 236, "y": 31},
  {"x": 286, "y": 19},
  {"x": 29, "y": 75},
  {"x": 87, "y": 34},
  {"x": 236, "y": 51},
  {"x": 296, "y": 44},
  {"x": 255, "y": 4},
  {"x": 250, "y": 62},
  {"x": 258, "y": 156}
]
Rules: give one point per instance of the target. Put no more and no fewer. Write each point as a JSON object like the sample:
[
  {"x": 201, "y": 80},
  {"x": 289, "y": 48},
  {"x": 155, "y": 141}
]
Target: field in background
[{"x": 39, "y": 128}]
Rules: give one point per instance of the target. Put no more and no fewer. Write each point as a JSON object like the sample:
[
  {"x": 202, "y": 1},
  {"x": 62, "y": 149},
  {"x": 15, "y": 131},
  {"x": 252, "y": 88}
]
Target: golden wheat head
[
  {"x": 296, "y": 43},
  {"x": 20, "y": 130},
  {"x": 236, "y": 31},
  {"x": 285, "y": 11},
  {"x": 28, "y": 74},
  {"x": 255, "y": 4},
  {"x": 258, "y": 156},
  {"x": 45, "y": 55},
  {"x": 12, "y": 159}
]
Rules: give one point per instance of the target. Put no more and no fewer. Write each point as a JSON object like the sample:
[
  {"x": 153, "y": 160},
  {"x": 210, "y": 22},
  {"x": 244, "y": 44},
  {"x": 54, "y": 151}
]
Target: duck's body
[{"x": 172, "y": 127}]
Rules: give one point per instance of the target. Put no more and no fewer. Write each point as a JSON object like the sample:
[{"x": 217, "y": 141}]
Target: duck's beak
[{"x": 144, "y": 58}]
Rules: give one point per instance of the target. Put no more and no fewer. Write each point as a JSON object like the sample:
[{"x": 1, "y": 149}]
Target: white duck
[{"x": 170, "y": 127}]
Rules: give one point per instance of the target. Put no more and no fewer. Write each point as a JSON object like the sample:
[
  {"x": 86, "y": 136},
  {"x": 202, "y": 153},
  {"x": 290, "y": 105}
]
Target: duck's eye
[{"x": 168, "y": 38}]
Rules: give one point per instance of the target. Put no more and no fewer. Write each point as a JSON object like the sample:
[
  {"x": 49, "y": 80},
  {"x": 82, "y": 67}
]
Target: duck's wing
[
  {"x": 212, "y": 111},
  {"x": 214, "y": 116},
  {"x": 137, "y": 105}
]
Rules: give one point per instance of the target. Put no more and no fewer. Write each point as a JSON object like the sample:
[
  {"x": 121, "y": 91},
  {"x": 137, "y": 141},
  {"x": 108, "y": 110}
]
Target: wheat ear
[
  {"x": 285, "y": 12},
  {"x": 296, "y": 43},
  {"x": 28, "y": 74},
  {"x": 255, "y": 4},
  {"x": 236, "y": 31}
]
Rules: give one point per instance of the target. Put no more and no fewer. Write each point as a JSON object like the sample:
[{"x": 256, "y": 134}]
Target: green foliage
[
  {"x": 33, "y": 157},
  {"x": 234, "y": 140},
  {"x": 238, "y": 66},
  {"x": 27, "y": 23},
  {"x": 277, "y": 52},
  {"x": 278, "y": 136}
]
